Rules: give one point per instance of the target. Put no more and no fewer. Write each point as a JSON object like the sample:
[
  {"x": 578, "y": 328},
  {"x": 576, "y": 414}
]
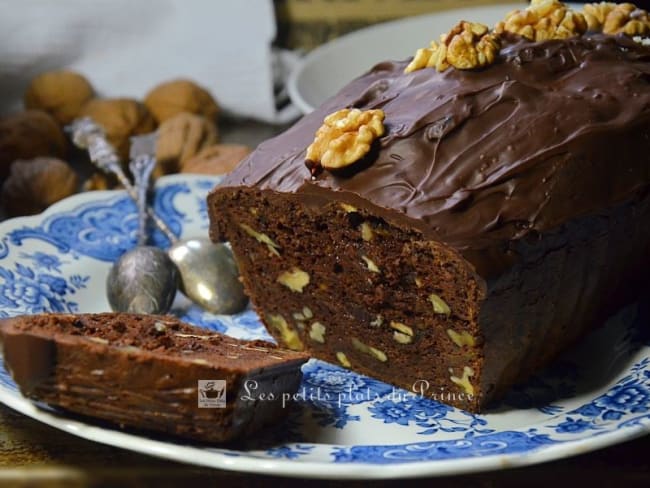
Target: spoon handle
[
  {"x": 141, "y": 167},
  {"x": 86, "y": 134}
]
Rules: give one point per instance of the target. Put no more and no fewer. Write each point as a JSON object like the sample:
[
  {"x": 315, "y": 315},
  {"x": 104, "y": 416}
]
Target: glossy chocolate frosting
[{"x": 551, "y": 131}]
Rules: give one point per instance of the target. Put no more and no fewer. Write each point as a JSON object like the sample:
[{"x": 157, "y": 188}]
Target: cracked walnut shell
[
  {"x": 344, "y": 138},
  {"x": 180, "y": 138},
  {"x": 466, "y": 46},
  {"x": 59, "y": 93},
  {"x": 173, "y": 97},
  {"x": 99, "y": 181},
  {"x": 216, "y": 160},
  {"x": 120, "y": 118},
  {"x": 612, "y": 18},
  {"x": 27, "y": 135},
  {"x": 544, "y": 20},
  {"x": 35, "y": 184}
]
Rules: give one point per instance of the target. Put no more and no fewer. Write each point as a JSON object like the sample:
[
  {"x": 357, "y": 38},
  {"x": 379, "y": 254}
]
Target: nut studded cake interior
[
  {"x": 362, "y": 292},
  {"x": 457, "y": 219}
]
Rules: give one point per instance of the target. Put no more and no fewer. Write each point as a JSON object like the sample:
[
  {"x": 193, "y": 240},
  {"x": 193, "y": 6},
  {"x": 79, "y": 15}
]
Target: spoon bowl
[
  {"x": 209, "y": 275},
  {"x": 142, "y": 280}
]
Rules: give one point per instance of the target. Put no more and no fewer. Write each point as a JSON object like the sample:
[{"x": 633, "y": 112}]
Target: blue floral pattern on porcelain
[{"x": 58, "y": 262}]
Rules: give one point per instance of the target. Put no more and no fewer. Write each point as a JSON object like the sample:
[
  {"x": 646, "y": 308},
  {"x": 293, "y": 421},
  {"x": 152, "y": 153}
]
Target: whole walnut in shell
[
  {"x": 121, "y": 118},
  {"x": 29, "y": 134},
  {"x": 59, "y": 93},
  {"x": 99, "y": 181},
  {"x": 35, "y": 184},
  {"x": 173, "y": 97},
  {"x": 180, "y": 138},
  {"x": 216, "y": 160}
]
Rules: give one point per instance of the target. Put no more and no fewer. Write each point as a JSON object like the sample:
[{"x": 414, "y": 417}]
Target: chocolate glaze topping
[{"x": 551, "y": 131}]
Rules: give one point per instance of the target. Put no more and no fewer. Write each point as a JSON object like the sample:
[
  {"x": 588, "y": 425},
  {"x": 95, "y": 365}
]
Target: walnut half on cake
[{"x": 454, "y": 223}]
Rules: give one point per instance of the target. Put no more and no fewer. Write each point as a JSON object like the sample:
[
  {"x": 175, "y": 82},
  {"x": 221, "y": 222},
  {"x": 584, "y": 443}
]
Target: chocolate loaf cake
[
  {"x": 450, "y": 223},
  {"x": 151, "y": 372}
]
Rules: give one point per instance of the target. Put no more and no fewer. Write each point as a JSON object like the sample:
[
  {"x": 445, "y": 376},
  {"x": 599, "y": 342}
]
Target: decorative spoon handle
[
  {"x": 86, "y": 134},
  {"x": 141, "y": 168}
]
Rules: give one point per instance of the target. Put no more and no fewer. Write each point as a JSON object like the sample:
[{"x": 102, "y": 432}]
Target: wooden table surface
[{"x": 37, "y": 455}]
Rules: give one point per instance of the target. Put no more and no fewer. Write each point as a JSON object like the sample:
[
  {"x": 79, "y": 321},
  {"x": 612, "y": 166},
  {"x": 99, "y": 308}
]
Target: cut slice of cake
[{"x": 151, "y": 372}]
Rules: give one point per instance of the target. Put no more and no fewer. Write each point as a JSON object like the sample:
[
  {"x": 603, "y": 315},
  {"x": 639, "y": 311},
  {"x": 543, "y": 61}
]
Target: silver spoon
[
  {"x": 208, "y": 272},
  {"x": 143, "y": 279}
]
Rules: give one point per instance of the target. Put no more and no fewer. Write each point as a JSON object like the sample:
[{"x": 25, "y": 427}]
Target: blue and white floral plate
[{"x": 343, "y": 425}]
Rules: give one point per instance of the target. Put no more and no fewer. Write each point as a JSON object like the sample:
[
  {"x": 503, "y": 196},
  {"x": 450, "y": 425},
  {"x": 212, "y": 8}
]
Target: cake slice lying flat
[{"x": 150, "y": 372}]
